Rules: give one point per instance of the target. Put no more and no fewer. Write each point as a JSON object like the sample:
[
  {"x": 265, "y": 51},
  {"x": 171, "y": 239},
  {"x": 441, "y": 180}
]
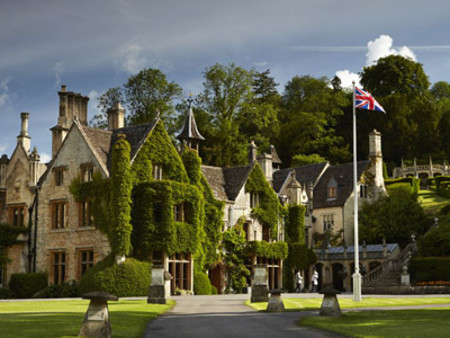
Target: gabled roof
[
  {"x": 98, "y": 141},
  {"x": 275, "y": 158},
  {"x": 304, "y": 175},
  {"x": 343, "y": 175},
  {"x": 226, "y": 183},
  {"x": 190, "y": 131}
]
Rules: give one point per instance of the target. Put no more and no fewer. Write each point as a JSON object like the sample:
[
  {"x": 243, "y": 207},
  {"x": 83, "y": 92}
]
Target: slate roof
[
  {"x": 99, "y": 141},
  {"x": 372, "y": 251},
  {"x": 226, "y": 182},
  {"x": 343, "y": 175},
  {"x": 304, "y": 174}
]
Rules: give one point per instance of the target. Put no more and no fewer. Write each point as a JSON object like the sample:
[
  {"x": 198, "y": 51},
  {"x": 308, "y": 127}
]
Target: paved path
[{"x": 226, "y": 316}]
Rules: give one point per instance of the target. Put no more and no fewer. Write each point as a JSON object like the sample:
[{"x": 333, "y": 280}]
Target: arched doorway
[{"x": 339, "y": 274}]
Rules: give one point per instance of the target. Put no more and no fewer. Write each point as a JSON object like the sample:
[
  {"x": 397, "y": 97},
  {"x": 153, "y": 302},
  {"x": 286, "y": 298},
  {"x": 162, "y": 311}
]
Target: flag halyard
[{"x": 364, "y": 100}]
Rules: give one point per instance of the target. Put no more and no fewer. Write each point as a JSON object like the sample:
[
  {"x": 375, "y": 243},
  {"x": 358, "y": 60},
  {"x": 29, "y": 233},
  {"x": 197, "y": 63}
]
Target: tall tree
[{"x": 144, "y": 95}]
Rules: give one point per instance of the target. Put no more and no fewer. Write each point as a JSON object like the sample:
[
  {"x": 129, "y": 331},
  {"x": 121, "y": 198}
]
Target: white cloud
[
  {"x": 347, "y": 77},
  {"x": 3, "y": 148},
  {"x": 45, "y": 157},
  {"x": 261, "y": 63},
  {"x": 131, "y": 59},
  {"x": 4, "y": 91},
  {"x": 93, "y": 102},
  {"x": 58, "y": 68},
  {"x": 382, "y": 46}
]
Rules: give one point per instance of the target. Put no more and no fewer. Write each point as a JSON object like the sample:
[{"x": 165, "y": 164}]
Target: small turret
[{"x": 190, "y": 136}]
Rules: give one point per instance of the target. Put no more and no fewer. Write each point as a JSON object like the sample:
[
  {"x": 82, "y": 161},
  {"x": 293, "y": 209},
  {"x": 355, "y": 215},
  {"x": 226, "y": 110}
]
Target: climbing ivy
[
  {"x": 8, "y": 237},
  {"x": 274, "y": 250},
  {"x": 269, "y": 210},
  {"x": 120, "y": 206}
]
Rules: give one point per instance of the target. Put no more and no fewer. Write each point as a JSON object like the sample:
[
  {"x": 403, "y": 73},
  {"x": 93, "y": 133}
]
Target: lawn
[
  {"x": 430, "y": 201},
  {"x": 64, "y": 318},
  {"x": 302, "y": 304},
  {"x": 400, "y": 323}
]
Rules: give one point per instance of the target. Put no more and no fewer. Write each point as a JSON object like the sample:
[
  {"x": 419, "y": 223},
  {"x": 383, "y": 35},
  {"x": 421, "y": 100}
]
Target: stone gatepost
[
  {"x": 260, "y": 289},
  {"x": 275, "y": 302},
  {"x": 330, "y": 305},
  {"x": 96, "y": 320},
  {"x": 405, "y": 277},
  {"x": 159, "y": 290}
]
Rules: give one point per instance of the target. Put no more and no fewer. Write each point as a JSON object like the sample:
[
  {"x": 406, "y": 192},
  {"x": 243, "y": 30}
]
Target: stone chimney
[
  {"x": 376, "y": 159},
  {"x": 265, "y": 162},
  {"x": 72, "y": 106},
  {"x": 116, "y": 117},
  {"x": 252, "y": 151},
  {"x": 23, "y": 137}
]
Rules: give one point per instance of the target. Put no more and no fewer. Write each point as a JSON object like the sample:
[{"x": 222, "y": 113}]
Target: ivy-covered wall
[
  {"x": 269, "y": 210},
  {"x": 8, "y": 237}
]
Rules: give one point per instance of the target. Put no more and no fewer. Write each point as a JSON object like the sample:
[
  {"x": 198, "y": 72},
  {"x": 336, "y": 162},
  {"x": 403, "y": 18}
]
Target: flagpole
[{"x": 356, "y": 276}]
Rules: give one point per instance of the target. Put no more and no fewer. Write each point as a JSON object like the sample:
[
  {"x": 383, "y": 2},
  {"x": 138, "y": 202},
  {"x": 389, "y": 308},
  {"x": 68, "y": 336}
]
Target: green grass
[
  {"x": 302, "y": 304},
  {"x": 64, "y": 318},
  {"x": 401, "y": 323},
  {"x": 431, "y": 201}
]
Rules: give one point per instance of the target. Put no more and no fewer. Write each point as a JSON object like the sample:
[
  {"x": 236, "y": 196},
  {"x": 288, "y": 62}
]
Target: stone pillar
[
  {"x": 96, "y": 320},
  {"x": 330, "y": 305},
  {"x": 260, "y": 289},
  {"x": 116, "y": 117},
  {"x": 405, "y": 277},
  {"x": 159, "y": 290},
  {"x": 275, "y": 302}
]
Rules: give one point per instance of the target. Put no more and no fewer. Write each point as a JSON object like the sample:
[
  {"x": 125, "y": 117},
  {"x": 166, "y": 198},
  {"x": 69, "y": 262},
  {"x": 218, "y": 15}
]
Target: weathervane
[{"x": 190, "y": 100}]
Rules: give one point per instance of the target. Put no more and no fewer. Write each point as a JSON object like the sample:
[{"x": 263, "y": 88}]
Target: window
[
  {"x": 328, "y": 222},
  {"x": 363, "y": 189},
  {"x": 179, "y": 212},
  {"x": 59, "y": 175},
  {"x": 85, "y": 260},
  {"x": 85, "y": 216},
  {"x": 17, "y": 215},
  {"x": 266, "y": 233},
  {"x": 58, "y": 209},
  {"x": 332, "y": 189},
  {"x": 332, "y": 192},
  {"x": 59, "y": 267},
  {"x": 157, "y": 172},
  {"x": 254, "y": 199},
  {"x": 86, "y": 172}
]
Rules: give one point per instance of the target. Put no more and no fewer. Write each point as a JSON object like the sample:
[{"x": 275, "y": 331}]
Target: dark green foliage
[
  {"x": 426, "y": 269},
  {"x": 5, "y": 293},
  {"x": 394, "y": 217},
  {"x": 63, "y": 290},
  {"x": 153, "y": 224},
  {"x": 385, "y": 172},
  {"x": 299, "y": 160},
  {"x": 131, "y": 278},
  {"x": 25, "y": 285},
  {"x": 442, "y": 184},
  {"x": 234, "y": 244},
  {"x": 275, "y": 250},
  {"x": 300, "y": 257},
  {"x": 121, "y": 185},
  {"x": 213, "y": 290},
  {"x": 202, "y": 285},
  {"x": 436, "y": 242},
  {"x": 8, "y": 237},
  {"x": 158, "y": 150},
  {"x": 295, "y": 224},
  {"x": 269, "y": 210}
]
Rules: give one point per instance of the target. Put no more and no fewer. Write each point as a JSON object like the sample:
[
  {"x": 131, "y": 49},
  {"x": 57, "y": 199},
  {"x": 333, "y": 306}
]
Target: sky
[{"x": 93, "y": 45}]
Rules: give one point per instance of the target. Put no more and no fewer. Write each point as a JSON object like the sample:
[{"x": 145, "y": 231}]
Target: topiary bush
[
  {"x": 202, "y": 285},
  {"x": 63, "y": 290},
  {"x": 5, "y": 293},
  {"x": 25, "y": 285},
  {"x": 131, "y": 278},
  {"x": 213, "y": 290}
]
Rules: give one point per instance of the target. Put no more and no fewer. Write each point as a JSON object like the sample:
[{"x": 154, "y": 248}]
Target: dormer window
[
  {"x": 86, "y": 172},
  {"x": 332, "y": 189},
  {"x": 254, "y": 199},
  {"x": 157, "y": 173}
]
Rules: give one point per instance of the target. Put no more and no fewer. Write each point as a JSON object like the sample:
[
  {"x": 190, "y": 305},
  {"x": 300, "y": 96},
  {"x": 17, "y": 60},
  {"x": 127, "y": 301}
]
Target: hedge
[
  {"x": 413, "y": 182},
  {"x": 426, "y": 269},
  {"x": 25, "y": 285},
  {"x": 202, "y": 285},
  {"x": 5, "y": 293},
  {"x": 131, "y": 278},
  {"x": 63, "y": 290}
]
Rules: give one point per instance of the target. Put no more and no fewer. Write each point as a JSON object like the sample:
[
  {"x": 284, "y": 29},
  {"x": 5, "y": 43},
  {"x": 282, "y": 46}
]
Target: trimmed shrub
[
  {"x": 426, "y": 269},
  {"x": 412, "y": 182},
  {"x": 202, "y": 285},
  {"x": 5, "y": 293},
  {"x": 63, "y": 290},
  {"x": 213, "y": 290},
  {"x": 131, "y": 278},
  {"x": 25, "y": 285}
]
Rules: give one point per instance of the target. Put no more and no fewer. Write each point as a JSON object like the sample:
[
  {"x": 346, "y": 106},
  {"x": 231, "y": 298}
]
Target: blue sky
[{"x": 97, "y": 44}]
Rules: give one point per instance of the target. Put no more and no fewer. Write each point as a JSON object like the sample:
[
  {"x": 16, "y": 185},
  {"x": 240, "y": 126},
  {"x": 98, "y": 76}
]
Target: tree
[
  {"x": 299, "y": 160},
  {"x": 310, "y": 111},
  {"x": 144, "y": 95},
  {"x": 395, "y": 217}
]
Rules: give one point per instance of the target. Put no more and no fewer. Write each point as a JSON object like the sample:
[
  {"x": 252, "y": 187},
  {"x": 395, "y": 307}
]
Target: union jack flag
[{"x": 364, "y": 100}]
